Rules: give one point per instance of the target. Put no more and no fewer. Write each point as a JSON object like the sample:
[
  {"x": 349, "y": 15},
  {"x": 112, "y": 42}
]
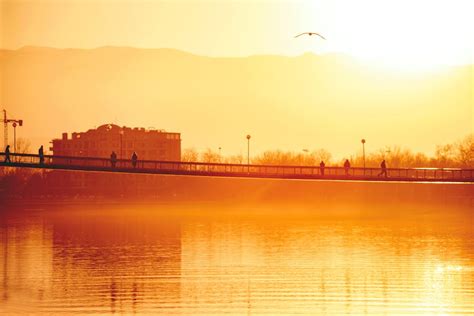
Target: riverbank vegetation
[{"x": 459, "y": 154}]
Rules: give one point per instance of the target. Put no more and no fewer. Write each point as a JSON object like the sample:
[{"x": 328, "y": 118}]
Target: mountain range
[{"x": 290, "y": 103}]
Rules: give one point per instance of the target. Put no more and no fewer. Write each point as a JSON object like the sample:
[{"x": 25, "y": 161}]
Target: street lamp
[
  {"x": 14, "y": 137},
  {"x": 248, "y": 149},
  {"x": 20, "y": 123},
  {"x": 363, "y": 151},
  {"x": 220, "y": 157},
  {"x": 121, "y": 139}
]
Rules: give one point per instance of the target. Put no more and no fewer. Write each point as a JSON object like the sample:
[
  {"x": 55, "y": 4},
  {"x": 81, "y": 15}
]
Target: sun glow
[
  {"x": 396, "y": 62},
  {"x": 406, "y": 35},
  {"x": 402, "y": 34}
]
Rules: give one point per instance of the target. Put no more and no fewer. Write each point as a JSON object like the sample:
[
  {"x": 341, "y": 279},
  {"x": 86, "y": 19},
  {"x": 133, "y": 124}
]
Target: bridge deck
[{"x": 239, "y": 170}]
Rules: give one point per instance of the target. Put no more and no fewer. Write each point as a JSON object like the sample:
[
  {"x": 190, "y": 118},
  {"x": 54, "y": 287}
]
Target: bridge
[{"x": 237, "y": 170}]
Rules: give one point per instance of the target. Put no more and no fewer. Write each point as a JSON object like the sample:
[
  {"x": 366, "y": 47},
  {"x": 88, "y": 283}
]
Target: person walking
[
  {"x": 321, "y": 167},
  {"x": 113, "y": 159},
  {"x": 7, "y": 154},
  {"x": 41, "y": 155},
  {"x": 134, "y": 159},
  {"x": 383, "y": 166},
  {"x": 347, "y": 166}
]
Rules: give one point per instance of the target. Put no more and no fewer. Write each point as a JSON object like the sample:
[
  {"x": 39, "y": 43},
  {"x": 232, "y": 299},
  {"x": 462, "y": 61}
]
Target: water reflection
[{"x": 174, "y": 260}]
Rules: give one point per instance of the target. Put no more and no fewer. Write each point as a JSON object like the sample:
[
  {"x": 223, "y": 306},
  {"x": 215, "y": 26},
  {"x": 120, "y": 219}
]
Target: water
[{"x": 227, "y": 259}]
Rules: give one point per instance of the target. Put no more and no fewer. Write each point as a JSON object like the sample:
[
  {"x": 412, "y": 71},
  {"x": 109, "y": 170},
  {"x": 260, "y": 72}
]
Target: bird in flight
[{"x": 310, "y": 34}]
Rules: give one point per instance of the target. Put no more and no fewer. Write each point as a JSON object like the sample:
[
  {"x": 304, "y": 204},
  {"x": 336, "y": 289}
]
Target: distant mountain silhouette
[{"x": 307, "y": 101}]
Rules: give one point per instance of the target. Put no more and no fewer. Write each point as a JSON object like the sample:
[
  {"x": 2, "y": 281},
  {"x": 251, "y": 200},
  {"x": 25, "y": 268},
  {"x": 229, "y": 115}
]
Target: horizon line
[
  {"x": 339, "y": 54},
  {"x": 308, "y": 52}
]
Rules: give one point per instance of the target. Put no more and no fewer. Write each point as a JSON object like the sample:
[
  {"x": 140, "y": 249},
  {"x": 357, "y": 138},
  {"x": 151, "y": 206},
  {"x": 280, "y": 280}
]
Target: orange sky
[
  {"x": 400, "y": 33},
  {"x": 415, "y": 39}
]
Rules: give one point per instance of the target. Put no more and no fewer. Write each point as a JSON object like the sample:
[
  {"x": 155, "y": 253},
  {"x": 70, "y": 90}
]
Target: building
[{"x": 149, "y": 144}]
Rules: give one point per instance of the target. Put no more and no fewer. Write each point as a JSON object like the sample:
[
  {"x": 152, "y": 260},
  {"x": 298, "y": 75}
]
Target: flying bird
[{"x": 310, "y": 34}]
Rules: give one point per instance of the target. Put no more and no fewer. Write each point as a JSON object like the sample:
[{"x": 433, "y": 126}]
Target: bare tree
[
  {"x": 236, "y": 159},
  {"x": 465, "y": 152},
  {"x": 23, "y": 146},
  {"x": 210, "y": 156},
  {"x": 445, "y": 156},
  {"x": 190, "y": 155},
  {"x": 321, "y": 155},
  {"x": 459, "y": 154}
]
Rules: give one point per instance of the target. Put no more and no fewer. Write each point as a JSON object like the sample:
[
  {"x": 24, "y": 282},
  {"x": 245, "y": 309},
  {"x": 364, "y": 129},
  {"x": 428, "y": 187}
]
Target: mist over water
[{"x": 351, "y": 257}]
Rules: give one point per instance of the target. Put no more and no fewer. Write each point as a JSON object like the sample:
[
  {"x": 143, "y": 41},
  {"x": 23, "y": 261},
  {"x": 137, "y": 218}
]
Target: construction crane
[{"x": 5, "y": 129}]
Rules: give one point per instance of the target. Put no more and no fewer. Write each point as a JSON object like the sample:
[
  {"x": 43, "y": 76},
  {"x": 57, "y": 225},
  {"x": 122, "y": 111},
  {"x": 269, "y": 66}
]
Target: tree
[
  {"x": 235, "y": 159},
  {"x": 210, "y": 156},
  {"x": 23, "y": 146},
  {"x": 190, "y": 155},
  {"x": 278, "y": 157},
  {"x": 465, "y": 152},
  {"x": 421, "y": 160},
  {"x": 321, "y": 155},
  {"x": 445, "y": 156}
]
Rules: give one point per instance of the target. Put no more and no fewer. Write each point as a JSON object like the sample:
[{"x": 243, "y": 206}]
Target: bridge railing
[{"x": 180, "y": 167}]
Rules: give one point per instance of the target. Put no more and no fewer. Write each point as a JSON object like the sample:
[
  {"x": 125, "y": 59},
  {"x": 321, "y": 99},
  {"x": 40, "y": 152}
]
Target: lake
[{"x": 226, "y": 258}]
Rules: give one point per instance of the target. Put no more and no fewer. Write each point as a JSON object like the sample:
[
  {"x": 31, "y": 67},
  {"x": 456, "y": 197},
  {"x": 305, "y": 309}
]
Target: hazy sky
[
  {"x": 403, "y": 35},
  {"x": 399, "y": 33}
]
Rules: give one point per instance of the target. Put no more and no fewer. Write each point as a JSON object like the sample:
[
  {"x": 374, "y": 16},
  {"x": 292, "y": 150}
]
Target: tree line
[{"x": 459, "y": 154}]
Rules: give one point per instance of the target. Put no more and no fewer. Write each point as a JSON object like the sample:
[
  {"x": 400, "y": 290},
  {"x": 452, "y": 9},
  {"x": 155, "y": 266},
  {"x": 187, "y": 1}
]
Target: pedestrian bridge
[{"x": 238, "y": 170}]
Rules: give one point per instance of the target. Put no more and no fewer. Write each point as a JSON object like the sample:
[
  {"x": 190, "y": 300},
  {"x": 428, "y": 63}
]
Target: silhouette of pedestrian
[
  {"x": 321, "y": 167},
  {"x": 41, "y": 155},
  {"x": 383, "y": 166},
  {"x": 134, "y": 159},
  {"x": 347, "y": 166},
  {"x": 113, "y": 159},
  {"x": 7, "y": 154}
]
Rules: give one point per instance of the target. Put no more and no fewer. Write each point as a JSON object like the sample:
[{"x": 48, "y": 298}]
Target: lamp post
[
  {"x": 220, "y": 157},
  {"x": 121, "y": 141},
  {"x": 248, "y": 150},
  {"x": 363, "y": 151},
  {"x": 14, "y": 137}
]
